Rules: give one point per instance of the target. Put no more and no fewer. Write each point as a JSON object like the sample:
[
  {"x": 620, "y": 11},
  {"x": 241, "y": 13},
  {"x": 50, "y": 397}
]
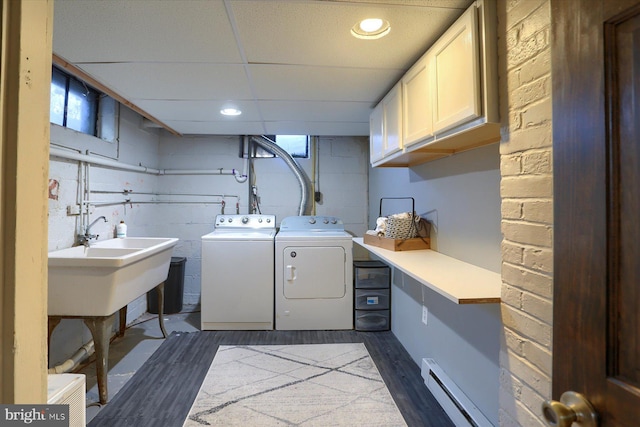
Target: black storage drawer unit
[
  {"x": 372, "y": 299},
  {"x": 372, "y": 302},
  {"x": 371, "y": 275},
  {"x": 373, "y": 320}
]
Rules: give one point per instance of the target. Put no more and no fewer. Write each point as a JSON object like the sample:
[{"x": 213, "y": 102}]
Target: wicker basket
[{"x": 401, "y": 228}]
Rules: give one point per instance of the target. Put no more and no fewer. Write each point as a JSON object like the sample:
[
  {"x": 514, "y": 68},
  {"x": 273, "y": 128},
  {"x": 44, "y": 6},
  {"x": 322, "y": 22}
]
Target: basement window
[
  {"x": 296, "y": 145},
  {"x": 75, "y": 105}
]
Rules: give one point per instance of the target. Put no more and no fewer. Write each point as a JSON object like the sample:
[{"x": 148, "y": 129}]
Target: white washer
[
  {"x": 237, "y": 273},
  {"x": 314, "y": 274}
]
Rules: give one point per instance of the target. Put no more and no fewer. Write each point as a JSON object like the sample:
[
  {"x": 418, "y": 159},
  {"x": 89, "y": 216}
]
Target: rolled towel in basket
[
  {"x": 403, "y": 215},
  {"x": 381, "y": 225}
]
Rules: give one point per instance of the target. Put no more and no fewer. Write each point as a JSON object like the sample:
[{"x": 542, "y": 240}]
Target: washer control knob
[
  {"x": 268, "y": 220},
  {"x": 245, "y": 219},
  {"x": 312, "y": 220},
  {"x": 334, "y": 221},
  {"x": 260, "y": 220},
  {"x": 326, "y": 221},
  {"x": 222, "y": 219},
  {"x": 230, "y": 220}
]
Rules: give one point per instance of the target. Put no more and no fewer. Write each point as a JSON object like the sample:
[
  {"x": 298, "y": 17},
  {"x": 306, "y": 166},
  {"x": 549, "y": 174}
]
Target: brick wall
[{"x": 527, "y": 209}]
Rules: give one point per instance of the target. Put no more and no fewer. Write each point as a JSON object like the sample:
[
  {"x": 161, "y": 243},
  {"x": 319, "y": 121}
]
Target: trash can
[{"x": 173, "y": 289}]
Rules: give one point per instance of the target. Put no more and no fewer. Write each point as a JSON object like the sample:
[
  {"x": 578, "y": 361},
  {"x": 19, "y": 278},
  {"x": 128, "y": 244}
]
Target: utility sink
[{"x": 101, "y": 279}]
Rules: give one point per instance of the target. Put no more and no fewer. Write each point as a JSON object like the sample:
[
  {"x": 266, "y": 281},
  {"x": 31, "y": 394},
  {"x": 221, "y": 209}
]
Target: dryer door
[{"x": 314, "y": 272}]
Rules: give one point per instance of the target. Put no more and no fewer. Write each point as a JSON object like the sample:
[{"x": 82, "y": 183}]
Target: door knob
[{"x": 572, "y": 408}]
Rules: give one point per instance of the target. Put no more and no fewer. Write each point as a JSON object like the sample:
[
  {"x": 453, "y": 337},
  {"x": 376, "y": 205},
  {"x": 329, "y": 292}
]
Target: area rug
[{"x": 294, "y": 385}]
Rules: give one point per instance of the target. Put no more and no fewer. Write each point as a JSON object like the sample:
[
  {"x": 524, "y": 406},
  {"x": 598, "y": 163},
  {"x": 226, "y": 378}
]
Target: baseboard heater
[{"x": 455, "y": 403}]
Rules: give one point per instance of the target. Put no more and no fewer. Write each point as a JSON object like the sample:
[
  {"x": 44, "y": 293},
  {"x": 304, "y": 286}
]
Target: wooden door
[{"x": 596, "y": 143}]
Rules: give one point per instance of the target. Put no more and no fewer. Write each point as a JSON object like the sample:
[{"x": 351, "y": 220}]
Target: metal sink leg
[
  {"x": 160, "y": 289},
  {"x": 100, "y": 328}
]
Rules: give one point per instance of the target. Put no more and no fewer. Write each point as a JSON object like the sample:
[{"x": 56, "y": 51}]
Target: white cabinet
[
  {"x": 392, "y": 126},
  {"x": 457, "y": 95},
  {"x": 376, "y": 132},
  {"x": 448, "y": 100},
  {"x": 385, "y": 126},
  {"x": 417, "y": 94}
]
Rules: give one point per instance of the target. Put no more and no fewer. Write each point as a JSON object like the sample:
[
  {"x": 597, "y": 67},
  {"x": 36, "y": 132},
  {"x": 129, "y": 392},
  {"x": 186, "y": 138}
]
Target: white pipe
[
  {"x": 198, "y": 172},
  {"x": 244, "y": 175},
  {"x": 84, "y": 208},
  {"x": 148, "y": 193},
  {"x": 71, "y": 155},
  {"x": 158, "y": 202},
  {"x": 240, "y": 177},
  {"x": 69, "y": 364}
]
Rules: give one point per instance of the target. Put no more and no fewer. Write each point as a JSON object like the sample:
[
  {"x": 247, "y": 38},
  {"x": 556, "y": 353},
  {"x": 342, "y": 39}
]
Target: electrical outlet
[{"x": 425, "y": 314}]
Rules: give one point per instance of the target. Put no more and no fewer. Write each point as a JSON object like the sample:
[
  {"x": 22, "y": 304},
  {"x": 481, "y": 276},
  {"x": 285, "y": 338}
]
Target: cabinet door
[
  {"x": 417, "y": 94},
  {"x": 392, "y": 119},
  {"x": 457, "y": 97},
  {"x": 376, "y": 143}
]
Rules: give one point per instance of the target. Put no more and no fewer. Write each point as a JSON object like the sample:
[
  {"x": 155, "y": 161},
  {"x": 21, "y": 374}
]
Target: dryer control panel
[{"x": 311, "y": 223}]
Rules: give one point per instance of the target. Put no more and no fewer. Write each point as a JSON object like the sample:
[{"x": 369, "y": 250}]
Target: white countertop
[{"x": 460, "y": 282}]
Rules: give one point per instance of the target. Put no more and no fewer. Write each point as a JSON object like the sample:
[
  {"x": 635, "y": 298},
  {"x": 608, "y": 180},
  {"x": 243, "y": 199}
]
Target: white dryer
[
  {"x": 237, "y": 273},
  {"x": 314, "y": 274}
]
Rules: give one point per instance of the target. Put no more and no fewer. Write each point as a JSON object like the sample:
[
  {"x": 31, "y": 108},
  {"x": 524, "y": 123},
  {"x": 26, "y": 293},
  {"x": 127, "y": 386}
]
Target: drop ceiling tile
[
  {"x": 281, "y": 82},
  {"x": 321, "y": 111},
  {"x": 199, "y": 110},
  {"x": 317, "y": 128},
  {"x": 217, "y": 128},
  {"x": 173, "y": 81},
  {"x": 319, "y": 33},
  {"x": 149, "y": 30}
]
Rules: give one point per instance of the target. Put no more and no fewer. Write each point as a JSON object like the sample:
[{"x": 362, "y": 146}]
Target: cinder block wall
[{"x": 527, "y": 210}]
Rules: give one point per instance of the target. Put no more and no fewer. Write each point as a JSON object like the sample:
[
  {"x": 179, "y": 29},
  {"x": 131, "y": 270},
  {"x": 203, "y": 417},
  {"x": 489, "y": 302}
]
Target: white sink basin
[
  {"x": 131, "y": 242},
  {"x": 101, "y": 279}
]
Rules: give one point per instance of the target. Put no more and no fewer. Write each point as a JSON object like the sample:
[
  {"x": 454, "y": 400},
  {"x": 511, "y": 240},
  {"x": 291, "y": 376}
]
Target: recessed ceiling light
[
  {"x": 230, "y": 112},
  {"x": 371, "y": 28},
  {"x": 371, "y": 25}
]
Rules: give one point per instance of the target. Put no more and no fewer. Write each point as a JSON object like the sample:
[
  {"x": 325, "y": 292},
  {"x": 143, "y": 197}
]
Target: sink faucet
[{"x": 86, "y": 238}]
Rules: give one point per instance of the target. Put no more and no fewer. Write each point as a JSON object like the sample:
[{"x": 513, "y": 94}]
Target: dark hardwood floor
[{"x": 162, "y": 391}]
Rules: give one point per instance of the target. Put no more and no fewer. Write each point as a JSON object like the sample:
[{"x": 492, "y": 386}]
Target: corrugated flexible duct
[{"x": 301, "y": 176}]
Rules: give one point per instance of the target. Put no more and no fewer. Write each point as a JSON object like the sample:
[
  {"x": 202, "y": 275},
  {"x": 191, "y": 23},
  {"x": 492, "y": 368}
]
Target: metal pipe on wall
[
  {"x": 142, "y": 202},
  {"x": 149, "y": 193},
  {"x": 114, "y": 164}
]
